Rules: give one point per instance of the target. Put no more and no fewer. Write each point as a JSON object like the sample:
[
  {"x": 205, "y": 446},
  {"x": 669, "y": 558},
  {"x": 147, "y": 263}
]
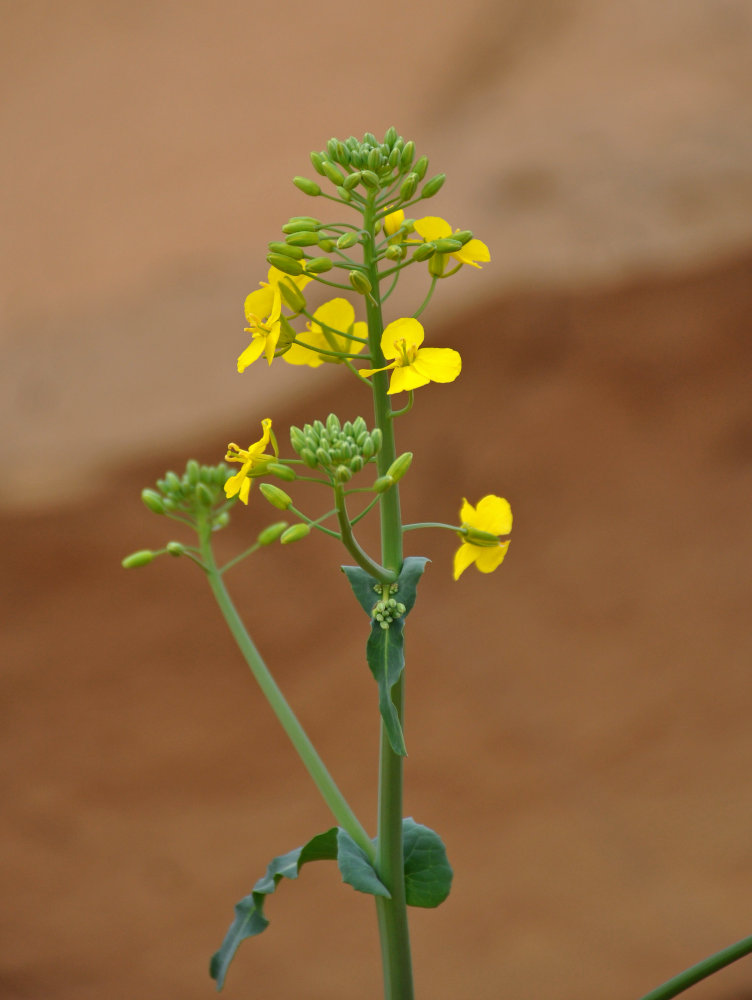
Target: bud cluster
[
  {"x": 339, "y": 449},
  {"x": 385, "y": 611},
  {"x": 199, "y": 489}
]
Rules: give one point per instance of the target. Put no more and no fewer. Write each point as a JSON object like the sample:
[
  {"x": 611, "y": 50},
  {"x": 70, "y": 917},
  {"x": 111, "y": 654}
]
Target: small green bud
[
  {"x": 367, "y": 448},
  {"x": 153, "y": 501},
  {"x": 352, "y": 180},
  {"x": 175, "y": 548},
  {"x": 332, "y": 424},
  {"x": 299, "y": 223},
  {"x": 359, "y": 282},
  {"x": 406, "y": 156},
  {"x": 394, "y": 158},
  {"x": 374, "y": 159},
  {"x": 292, "y": 295},
  {"x": 382, "y": 484},
  {"x": 272, "y": 533},
  {"x": 276, "y": 497},
  {"x": 420, "y": 167},
  {"x": 204, "y": 495},
  {"x": 409, "y": 187},
  {"x": 331, "y": 148},
  {"x": 192, "y": 471},
  {"x": 281, "y": 471},
  {"x": 370, "y": 179},
  {"x": 304, "y": 238},
  {"x": 343, "y": 154},
  {"x": 436, "y": 265},
  {"x": 377, "y": 437},
  {"x": 424, "y": 252},
  {"x": 342, "y": 474},
  {"x": 396, "y": 252},
  {"x": 327, "y": 244},
  {"x": 400, "y": 466},
  {"x": 433, "y": 186},
  {"x": 318, "y": 163},
  {"x": 173, "y": 483},
  {"x": 285, "y": 264},
  {"x": 319, "y": 265},
  {"x": 141, "y": 558},
  {"x": 221, "y": 520},
  {"x": 307, "y": 186},
  {"x": 356, "y": 463},
  {"x": 463, "y": 235},
  {"x": 344, "y": 193},
  {"x": 370, "y": 139},
  {"x": 323, "y": 456},
  {"x": 347, "y": 240},
  {"x": 294, "y": 534},
  {"x": 333, "y": 174},
  {"x": 308, "y": 457},
  {"x": 390, "y": 136},
  {"x": 447, "y": 245},
  {"x": 297, "y": 438},
  {"x": 286, "y": 250}
]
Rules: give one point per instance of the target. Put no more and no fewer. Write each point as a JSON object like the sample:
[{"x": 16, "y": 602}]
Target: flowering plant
[{"x": 361, "y": 258}]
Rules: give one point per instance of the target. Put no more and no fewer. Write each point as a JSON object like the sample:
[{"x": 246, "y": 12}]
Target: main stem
[{"x": 392, "y": 913}]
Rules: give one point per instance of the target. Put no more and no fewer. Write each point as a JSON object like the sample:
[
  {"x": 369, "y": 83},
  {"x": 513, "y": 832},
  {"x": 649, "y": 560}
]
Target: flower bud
[
  {"x": 299, "y": 223},
  {"x": 318, "y": 163},
  {"x": 382, "y": 484},
  {"x": 400, "y": 466},
  {"x": 352, "y": 180},
  {"x": 356, "y": 463},
  {"x": 175, "y": 548},
  {"x": 332, "y": 423},
  {"x": 221, "y": 520},
  {"x": 409, "y": 186},
  {"x": 447, "y": 245},
  {"x": 463, "y": 235},
  {"x": 297, "y": 438},
  {"x": 406, "y": 156},
  {"x": 390, "y": 136},
  {"x": 344, "y": 193},
  {"x": 347, "y": 240},
  {"x": 307, "y": 186},
  {"x": 436, "y": 265},
  {"x": 374, "y": 159},
  {"x": 192, "y": 471},
  {"x": 304, "y": 238},
  {"x": 173, "y": 483},
  {"x": 141, "y": 558},
  {"x": 359, "y": 282},
  {"x": 286, "y": 250},
  {"x": 204, "y": 495},
  {"x": 424, "y": 252},
  {"x": 272, "y": 533},
  {"x": 309, "y": 458},
  {"x": 343, "y": 154},
  {"x": 327, "y": 245},
  {"x": 433, "y": 186},
  {"x": 153, "y": 501},
  {"x": 331, "y": 148},
  {"x": 281, "y": 471},
  {"x": 395, "y": 252},
  {"x": 377, "y": 436},
  {"x": 285, "y": 264},
  {"x": 394, "y": 158},
  {"x": 292, "y": 295},
  {"x": 333, "y": 174},
  {"x": 276, "y": 497},
  {"x": 420, "y": 167},
  {"x": 370, "y": 179},
  {"x": 294, "y": 534},
  {"x": 319, "y": 265},
  {"x": 342, "y": 474},
  {"x": 370, "y": 138}
]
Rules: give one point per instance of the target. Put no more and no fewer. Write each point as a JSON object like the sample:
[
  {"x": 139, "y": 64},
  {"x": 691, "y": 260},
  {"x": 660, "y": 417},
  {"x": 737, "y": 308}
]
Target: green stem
[
  {"x": 392, "y": 913},
  {"x": 331, "y": 794},
  {"x": 348, "y": 539},
  {"x": 695, "y": 973}
]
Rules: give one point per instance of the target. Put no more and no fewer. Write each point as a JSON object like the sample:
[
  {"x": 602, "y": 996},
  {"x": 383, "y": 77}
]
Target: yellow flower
[
  {"x": 414, "y": 365},
  {"x": 474, "y": 252},
  {"x": 252, "y": 458},
  {"x": 263, "y": 310},
  {"x": 392, "y": 223},
  {"x": 336, "y": 315},
  {"x": 492, "y": 516}
]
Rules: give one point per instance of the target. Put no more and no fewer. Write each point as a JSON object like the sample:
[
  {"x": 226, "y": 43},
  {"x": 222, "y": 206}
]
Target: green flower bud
[
  {"x": 318, "y": 163},
  {"x": 352, "y": 180},
  {"x": 332, "y": 424},
  {"x": 433, "y": 186},
  {"x": 374, "y": 159},
  {"x": 204, "y": 495},
  {"x": 141, "y": 558},
  {"x": 299, "y": 223},
  {"x": 304, "y": 238},
  {"x": 390, "y": 136},
  {"x": 400, "y": 466},
  {"x": 342, "y": 474},
  {"x": 285, "y": 264},
  {"x": 281, "y": 471},
  {"x": 359, "y": 282},
  {"x": 396, "y": 252},
  {"x": 286, "y": 250},
  {"x": 394, "y": 158},
  {"x": 327, "y": 245},
  {"x": 297, "y": 438},
  {"x": 377, "y": 437},
  {"x": 424, "y": 252},
  {"x": 307, "y": 186},
  {"x": 276, "y": 497},
  {"x": 348, "y": 240},
  {"x": 436, "y": 265},
  {"x": 447, "y": 245},
  {"x": 370, "y": 139},
  {"x": 333, "y": 174},
  {"x": 331, "y": 148},
  {"x": 292, "y": 296},
  {"x": 272, "y": 533},
  {"x": 409, "y": 187},
  {"x": 192, "y": 471},
  {"x": 343, "y": 154},
  {"x": 463, "y": 235},
  {"x": 319, "y": 265},
  {"x": 221, "y": 520},
  {"x": 382, "y": 484},
  {"x": 367, "y": 449},
  {"x": 308, "y": 457},
  {"x": 323, "y": 456},
  {"x": 420, "y": 167},
  {"x": 173, "y": 483},
  {"x": 370, "y": 179},
  {"x": 356, "y": 463},
  {"x": 175, "y": 548},
  {"x": 344, "y": 193},
  {"x": 406, "y": 156},
  {"x": 153, "y": 501},
  {"x": 294, "y": 534}
]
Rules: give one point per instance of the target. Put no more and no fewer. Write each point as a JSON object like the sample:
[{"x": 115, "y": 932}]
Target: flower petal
[
  {"x": 406, "y": 329},
  {"x": 439, "y": 364},
  {"x": 254, "y": 351},
  {"x": 367, "y": 372},
  {"x": 464, "y": 556},
  {"x": 299, "y": 355},
  {"x": 467, "y": 512},
  {"x": 258, "y": 305},
  {"x": 406, "y": 378},
  {"x": 473, "y": 251},
  {"x": 432, "y": 227},
  {"x": 494, "y": 515},
  {"x": 487, "y": 559},
  {"x": 393, "y": 221}
]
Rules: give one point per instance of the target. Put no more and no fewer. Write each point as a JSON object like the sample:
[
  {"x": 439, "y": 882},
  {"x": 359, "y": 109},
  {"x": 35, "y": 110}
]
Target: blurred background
[{"x": 578, "y": 723}]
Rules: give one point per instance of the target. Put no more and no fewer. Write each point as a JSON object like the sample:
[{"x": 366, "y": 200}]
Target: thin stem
[
  {"x": 427, "y": 299},
  {"x": 323, "y": 780},
  {"x": 407, "y": 407},
  {"x": 695, "y": 973},
  {"x": 348, "y": 539}
]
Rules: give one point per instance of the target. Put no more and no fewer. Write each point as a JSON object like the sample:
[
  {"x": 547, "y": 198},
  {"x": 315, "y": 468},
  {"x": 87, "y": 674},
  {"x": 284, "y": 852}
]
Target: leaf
[
  {"x": 428, "y": 874},
  {"x": 385, "y": 647},
  {"x": 249, "y": 912},
  {"x": 355, "y": 867}
]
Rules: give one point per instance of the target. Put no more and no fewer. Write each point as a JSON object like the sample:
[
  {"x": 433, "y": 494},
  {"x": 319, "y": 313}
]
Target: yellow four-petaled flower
[
  {"x": 263, "y": 310},
  {"x": 474, "y": 252},
  {"x": 253, "y": 458},
  {"x": 491, "y": 517},
  {"x": 332, "y": 328},
  {"x": 411, "y": 364}
]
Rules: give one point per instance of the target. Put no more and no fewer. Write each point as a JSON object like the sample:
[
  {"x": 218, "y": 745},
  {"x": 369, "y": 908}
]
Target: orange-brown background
[{"x": 578, "y": 724}]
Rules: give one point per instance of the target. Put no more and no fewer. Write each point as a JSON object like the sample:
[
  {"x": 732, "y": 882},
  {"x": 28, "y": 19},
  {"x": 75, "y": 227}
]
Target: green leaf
[
  {"x": 385, "y": 647},
  {"x": 249, "y": 912},
  {"x": 428, "y": 874},
  {"x": 355, "y": 867}
]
